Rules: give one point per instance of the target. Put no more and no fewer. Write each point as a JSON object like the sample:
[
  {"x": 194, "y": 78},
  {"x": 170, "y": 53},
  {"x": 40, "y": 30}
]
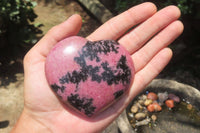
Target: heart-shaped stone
[{"x": 89, "y": 76}]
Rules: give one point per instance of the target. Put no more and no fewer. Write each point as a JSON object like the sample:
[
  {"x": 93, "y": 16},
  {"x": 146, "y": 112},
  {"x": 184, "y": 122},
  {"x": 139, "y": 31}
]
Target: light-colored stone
[
  {"x": 143, "y": 97},
  {"x": 148, "y": 102},
  {"x": 139, "y": 106},
  {"x": 131, "y": 115},
  {"x": 123, "y": 124},
  {"x": 189, "y": 107},
  {"x": 140, "y": 116},
  {"x": 141, "y": 102},
  {"x": 154, "y": 117},
  {"x": 134, "y": 109},
  {"x": 143, "y": 122}
]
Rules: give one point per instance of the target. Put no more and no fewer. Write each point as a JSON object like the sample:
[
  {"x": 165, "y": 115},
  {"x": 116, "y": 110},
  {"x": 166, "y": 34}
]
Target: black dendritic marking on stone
[
  {"x": 75, "y": 77},
  {"x": 108, "y": 74},
  {"x": 82, "y": 104},
  {"x": 121, "y": 73},
  {"x": 55, "y": 88},
  {"x": 118, "y": 94},
  {"x": 125, "y": 75},
  {"x": 92, "y": 49},
  {"x": 93, "y": 72}
]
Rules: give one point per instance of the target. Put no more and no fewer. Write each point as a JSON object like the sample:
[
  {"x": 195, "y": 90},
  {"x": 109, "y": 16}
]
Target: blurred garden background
[{"x": 24, "y": 22}]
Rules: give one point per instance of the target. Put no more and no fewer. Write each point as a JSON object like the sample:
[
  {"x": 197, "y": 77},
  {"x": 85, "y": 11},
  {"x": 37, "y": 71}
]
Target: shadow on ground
[
  {"x": 4, "y": 124},
  {"x": 8, "y": 71}
]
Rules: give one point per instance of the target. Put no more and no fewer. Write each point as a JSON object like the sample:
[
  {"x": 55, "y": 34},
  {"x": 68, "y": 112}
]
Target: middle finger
[{"x": 136, "y": 38}]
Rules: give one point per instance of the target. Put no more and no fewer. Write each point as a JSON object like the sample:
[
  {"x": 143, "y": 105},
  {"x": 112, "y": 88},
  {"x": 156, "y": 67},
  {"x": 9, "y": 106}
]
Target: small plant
[{"x": 16, "y": 27}]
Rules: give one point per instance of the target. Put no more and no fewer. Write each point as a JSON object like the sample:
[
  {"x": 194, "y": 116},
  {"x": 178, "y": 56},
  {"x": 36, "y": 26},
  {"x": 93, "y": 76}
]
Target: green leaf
[
  {"x": 14, "y": 13},
  {"x": 34, "y": 3},
  {"x": 37, "y": 24}
]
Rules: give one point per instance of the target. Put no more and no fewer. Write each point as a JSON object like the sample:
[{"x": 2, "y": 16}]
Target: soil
[{"x": 53, "y": 12}]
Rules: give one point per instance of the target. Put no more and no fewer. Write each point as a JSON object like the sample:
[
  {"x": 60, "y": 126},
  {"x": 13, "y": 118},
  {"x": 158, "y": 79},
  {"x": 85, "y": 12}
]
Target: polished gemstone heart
[{"x": 89, "y": 76}]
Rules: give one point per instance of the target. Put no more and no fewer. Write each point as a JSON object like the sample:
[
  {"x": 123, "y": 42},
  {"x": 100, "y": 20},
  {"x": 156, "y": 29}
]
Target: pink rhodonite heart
[{"x": 87, "y": 75}]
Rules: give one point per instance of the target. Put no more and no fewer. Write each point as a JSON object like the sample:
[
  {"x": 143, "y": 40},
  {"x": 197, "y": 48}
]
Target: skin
[{"x": 146, "y": 43}]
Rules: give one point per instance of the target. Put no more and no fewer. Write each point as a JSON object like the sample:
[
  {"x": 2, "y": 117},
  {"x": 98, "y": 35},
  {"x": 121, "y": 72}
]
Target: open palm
[{"x": 146, "y": 44}]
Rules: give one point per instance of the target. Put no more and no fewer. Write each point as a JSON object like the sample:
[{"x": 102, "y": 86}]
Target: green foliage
[
  {"x": 16, "y": 17},
  {"x": 186, "y": 6}
]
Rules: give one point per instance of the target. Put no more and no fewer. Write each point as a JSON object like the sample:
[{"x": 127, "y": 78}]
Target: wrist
[{"x": 27, "y": 124}]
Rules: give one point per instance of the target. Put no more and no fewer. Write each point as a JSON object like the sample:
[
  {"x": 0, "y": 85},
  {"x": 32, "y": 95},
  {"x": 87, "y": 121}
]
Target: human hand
[{"x": 146, "y": 43}]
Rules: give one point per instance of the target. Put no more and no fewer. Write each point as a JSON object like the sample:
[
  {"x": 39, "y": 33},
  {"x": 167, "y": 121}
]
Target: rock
[
  {"x": 140, "y": 116},
  {"x": 145, "y": 110},
  {"x": 148, "y": 102},
  {"x": 141, "y": 102},
  {"x": 11, "y": 62},
  {"x": 134, "y": 109},
  {"x": 152, "y": 96},
  {"x": 143, "y": 122},
  {"x": 162, "y": 97},
  {"x": 174, "y": 98},
  {"x": 157, "y": 107},
  {"x": 189, "y": 106},
  {"x": 169, "y": 103},
  {"x": 150, "y": 108},
  {"x": 154, "y": 107},
  {"x": 154, "y": 118},
  {"x": 183, "y": 90},
  {"x": 19, "y": 76},
  {"x": 139, "y": 106},
  {"x": 131, "y": 115},
  {"x": 143, "y": 97},
  {"x": 112, "y": 128},
  {"x": 123, "y": 124},
  {"x": 170, "y": 124},
  {"x": 97, "y": 9},
  {"x": 89, "y": 75}
]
